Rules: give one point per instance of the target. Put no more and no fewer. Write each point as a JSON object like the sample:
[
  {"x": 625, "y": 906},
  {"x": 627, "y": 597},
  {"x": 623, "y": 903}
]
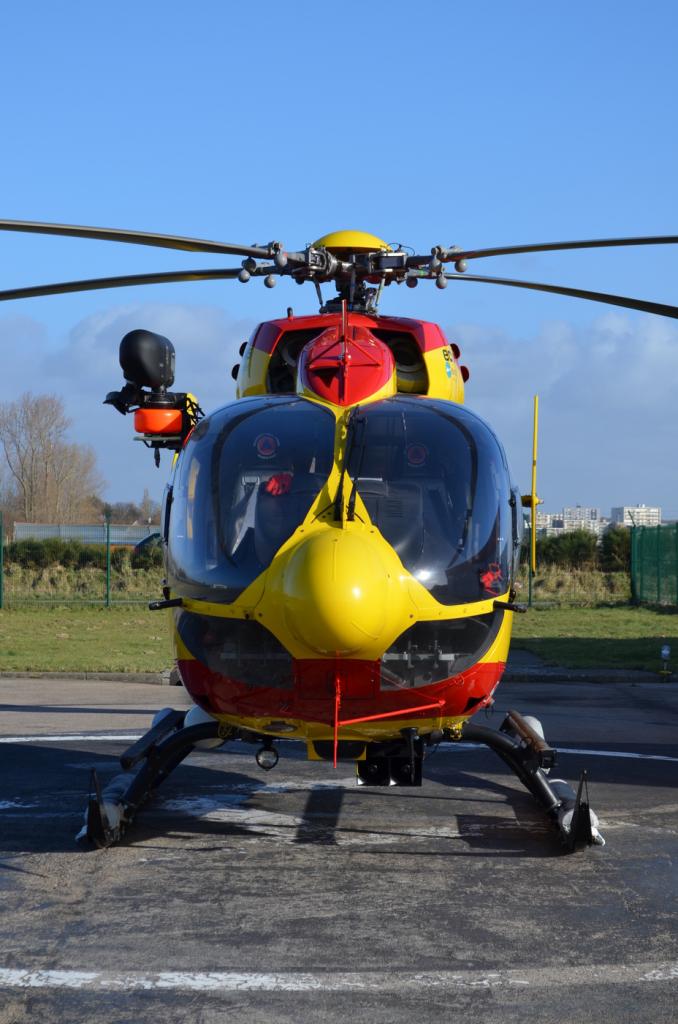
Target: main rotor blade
[
  {"x": 137, "y": 238},
  {"x": 578, "y": 293},
  {"x": 592, "y": 243},
  {"x": 120, "y": 282}
]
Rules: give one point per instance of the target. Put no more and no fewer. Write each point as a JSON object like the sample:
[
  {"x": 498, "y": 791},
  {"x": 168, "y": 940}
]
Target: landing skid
[
  {"x": 519, "y": 742},
  {"x": 111, "y": 811}
]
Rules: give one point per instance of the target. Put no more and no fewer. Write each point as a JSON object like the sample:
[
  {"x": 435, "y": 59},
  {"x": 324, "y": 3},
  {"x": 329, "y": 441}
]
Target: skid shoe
[{"x": 520, "y": 743}]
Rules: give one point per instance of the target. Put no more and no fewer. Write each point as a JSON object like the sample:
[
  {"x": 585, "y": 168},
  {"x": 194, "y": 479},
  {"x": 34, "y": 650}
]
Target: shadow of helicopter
[
  {"x": 628, "y": 653},
  {"x": 43, "y": 788},
  {"x": 60, "y": 776}
]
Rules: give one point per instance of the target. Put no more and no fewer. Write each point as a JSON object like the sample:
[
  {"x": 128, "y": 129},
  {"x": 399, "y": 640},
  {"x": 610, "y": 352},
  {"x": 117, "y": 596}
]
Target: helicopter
[{"x": 342, "y": 540}]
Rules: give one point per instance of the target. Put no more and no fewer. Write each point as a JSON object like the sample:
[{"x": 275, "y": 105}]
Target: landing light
[{"x": 267, "y": 757}]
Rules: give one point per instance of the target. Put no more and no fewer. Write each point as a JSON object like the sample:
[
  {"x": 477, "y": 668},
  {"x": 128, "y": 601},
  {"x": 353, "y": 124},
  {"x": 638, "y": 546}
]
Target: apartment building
[{"x": 637, "y": 515}]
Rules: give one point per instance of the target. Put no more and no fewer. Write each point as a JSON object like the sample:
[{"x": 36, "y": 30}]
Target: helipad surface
[{"x": 294, "y": 896}]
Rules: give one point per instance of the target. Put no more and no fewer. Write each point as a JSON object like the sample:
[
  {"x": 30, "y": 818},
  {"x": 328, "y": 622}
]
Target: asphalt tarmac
[{"x": 293, "y": 896}]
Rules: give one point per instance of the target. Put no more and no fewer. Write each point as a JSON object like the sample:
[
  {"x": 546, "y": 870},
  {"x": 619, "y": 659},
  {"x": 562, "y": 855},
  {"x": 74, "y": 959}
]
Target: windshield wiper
[
  {"x": 350, "y": 508},
  {"x": 348, "y": 452}
]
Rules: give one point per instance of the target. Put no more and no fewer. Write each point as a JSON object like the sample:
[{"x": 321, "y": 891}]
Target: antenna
[{"x": 343, "y": 357}]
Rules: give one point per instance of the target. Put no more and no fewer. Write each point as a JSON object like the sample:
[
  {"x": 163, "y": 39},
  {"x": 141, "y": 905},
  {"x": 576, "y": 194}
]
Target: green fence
[
  {"x": 90, "y": 564},
  {"x": 654, "y": 564}
]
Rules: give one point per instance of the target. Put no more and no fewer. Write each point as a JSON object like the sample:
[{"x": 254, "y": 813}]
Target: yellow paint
[
  {"x": 253, "y": 372},
  {"x": 312, "y": 756},
  {"x": 192, "y": 484},
  {"x": 533, "y": 496},
  {"x": 444, "y": 376},
  {"x": 355, "y": 241},
  {"x": 499, "y": 648},
  {"x": 340, "y": 590},
  {"x": 366, "y": 732}
]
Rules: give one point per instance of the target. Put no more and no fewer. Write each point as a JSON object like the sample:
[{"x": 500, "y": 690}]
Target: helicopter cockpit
[{"x": 430, "y": 476}]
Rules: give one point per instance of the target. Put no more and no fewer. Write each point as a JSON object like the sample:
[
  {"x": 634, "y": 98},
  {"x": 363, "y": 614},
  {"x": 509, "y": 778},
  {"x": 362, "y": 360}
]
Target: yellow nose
[{"x": 339, "y": 594}]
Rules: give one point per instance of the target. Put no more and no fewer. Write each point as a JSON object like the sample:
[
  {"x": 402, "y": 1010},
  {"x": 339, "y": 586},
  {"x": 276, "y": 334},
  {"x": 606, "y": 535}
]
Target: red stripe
[{"x": 313, "y": 695}]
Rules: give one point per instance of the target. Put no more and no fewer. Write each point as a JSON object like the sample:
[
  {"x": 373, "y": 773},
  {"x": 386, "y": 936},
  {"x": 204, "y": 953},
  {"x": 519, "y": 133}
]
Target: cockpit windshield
[
  {"x": 245, "y": 481},
  {"x": 431, "y": 475},
  {"x": 434, "y": 480}
]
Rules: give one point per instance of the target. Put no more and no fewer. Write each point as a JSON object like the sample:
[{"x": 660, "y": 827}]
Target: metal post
[
  {"x": 108, "y": 559},
  {"x": 2, "y": 559},
  {"x": 659, "y": 566},
  {"x": 533, "y": 538},
  {"x": 635, "y": 593},
  {"x": 533, "y": 503}
]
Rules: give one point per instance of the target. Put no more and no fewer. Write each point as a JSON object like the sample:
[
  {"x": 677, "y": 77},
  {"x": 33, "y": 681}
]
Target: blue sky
[{"x": 475, "y": 124}]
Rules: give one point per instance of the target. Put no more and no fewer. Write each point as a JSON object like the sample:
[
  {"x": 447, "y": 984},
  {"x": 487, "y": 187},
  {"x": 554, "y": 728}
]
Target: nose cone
[{"x": 338, "y": 593}]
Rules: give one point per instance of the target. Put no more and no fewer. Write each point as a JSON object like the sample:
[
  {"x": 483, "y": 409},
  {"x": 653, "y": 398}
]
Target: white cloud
[
  {"x": 84, "y": 366},
  {"x": 608, "y": 424}
]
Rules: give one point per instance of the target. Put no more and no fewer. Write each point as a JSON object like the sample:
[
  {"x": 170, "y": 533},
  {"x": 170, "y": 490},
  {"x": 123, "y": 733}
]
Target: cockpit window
[
  {"x": 245, "y": 481},
  {"x": 434, "y": 480}
]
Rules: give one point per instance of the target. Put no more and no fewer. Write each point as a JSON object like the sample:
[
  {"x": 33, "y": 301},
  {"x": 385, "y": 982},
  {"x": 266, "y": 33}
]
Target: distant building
[
  {"x": 549, "y": 524},
  {"x": 637, "y": 515},
  {"x": 582, "y": 517},
  {"x": 577, "y": 517}
]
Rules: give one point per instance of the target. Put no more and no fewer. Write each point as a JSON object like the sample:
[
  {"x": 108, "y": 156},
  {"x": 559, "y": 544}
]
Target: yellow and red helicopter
[{"x": 342, "y": 540}]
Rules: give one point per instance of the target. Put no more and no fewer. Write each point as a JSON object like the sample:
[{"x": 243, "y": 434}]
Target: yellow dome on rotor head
[{"x": 351, "y": 241}]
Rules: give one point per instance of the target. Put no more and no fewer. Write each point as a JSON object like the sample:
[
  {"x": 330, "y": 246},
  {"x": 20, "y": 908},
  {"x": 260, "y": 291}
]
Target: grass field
[
  {"x": 617, "y": 637},
  {"x": 86, "y": 639}
]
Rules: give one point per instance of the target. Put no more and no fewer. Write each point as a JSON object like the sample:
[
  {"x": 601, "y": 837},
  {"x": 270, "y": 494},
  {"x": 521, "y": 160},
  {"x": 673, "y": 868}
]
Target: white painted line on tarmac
[
  {"x": 616, "y": 753},
  {"x": 225, "y": 982},
  {"x": 74, "y": 738},
  {"x": 454, "y": 748}
]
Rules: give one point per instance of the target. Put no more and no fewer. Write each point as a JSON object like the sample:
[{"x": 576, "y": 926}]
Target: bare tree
[
  {"x": 9, "y": 498},
  {"x": 147, "y": 511},
  {"x": 54, "y": 479}
]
